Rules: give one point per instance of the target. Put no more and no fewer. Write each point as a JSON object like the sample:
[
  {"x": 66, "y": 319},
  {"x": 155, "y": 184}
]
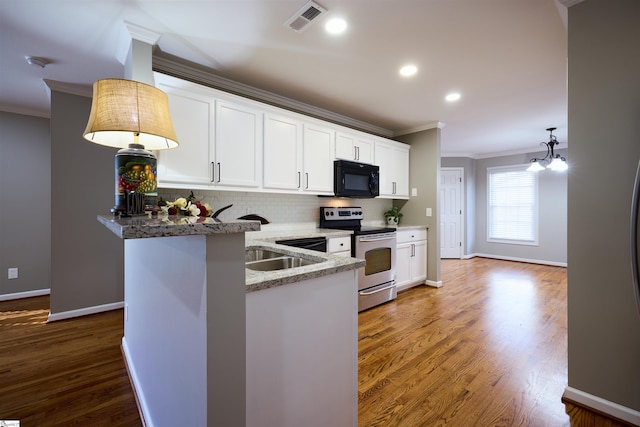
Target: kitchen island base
[
  {"x": 184, "y": 329},
  {"x": 302, "y": 352}
]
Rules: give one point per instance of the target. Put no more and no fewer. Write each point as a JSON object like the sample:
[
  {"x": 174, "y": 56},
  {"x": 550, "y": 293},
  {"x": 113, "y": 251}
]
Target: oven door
[{"x": 379, "y": 250}]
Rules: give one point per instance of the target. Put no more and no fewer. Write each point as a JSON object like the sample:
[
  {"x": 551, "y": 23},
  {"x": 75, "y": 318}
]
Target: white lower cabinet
[
  {"x": 411, "y": 258},
  {"x": 340, "y": 246}
]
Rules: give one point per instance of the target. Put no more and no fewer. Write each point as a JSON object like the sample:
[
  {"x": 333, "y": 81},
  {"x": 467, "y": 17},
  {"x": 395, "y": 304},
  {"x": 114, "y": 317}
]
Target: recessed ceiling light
[
  {"x": 408, "y": 70},
  {"x": 336, "y": 26},
  {"x": 452, "y": 97}
]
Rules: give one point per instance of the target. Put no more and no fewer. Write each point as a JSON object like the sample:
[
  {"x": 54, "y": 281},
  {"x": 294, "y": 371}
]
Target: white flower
[{"x": 193, "y": 209}]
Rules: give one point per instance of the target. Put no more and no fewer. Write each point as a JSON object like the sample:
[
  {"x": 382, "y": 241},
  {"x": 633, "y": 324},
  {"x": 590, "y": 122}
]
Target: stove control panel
[{"x": 341, "y": 214}]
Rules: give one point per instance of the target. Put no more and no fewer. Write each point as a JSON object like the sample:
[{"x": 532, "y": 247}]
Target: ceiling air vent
[{"x": 303, "y": 17}]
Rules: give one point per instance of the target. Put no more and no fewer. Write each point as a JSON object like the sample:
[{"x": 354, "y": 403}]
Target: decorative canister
[{"x": 136, "y": 186}]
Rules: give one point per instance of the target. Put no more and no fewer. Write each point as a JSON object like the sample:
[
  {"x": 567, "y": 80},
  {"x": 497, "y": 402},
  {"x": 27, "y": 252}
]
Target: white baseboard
[
  {"x": 437, "y": 284},
  {"x": 135, "y": 383},
  {"x": 604, "y": 406},
  {"x": 85, "y": 311},
  {"x": 509, "y": 258},
  {"x": 27, "y": 294}
]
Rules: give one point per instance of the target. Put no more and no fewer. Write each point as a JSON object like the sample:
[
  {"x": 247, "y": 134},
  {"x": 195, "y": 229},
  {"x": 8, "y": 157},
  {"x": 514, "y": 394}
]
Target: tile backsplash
[{"x": 278, "y": 208}]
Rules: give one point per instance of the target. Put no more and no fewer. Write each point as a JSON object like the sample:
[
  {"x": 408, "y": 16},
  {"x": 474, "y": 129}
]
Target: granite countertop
[
  {"x": 327, "y": 264},
  {"x": 140, "y": 227},
  {"x": 271, "y": 234},
  {"x": 411, "y": 227}
]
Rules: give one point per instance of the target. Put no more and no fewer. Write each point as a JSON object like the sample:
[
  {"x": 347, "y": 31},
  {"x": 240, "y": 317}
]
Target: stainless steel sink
[
  {"x": 253, "y": 254},
  {"x": 267, "y": 260},
  {"x": 278, "y": 263}
]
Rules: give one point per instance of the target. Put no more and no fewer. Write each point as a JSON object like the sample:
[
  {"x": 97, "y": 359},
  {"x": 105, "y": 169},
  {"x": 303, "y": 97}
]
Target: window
[{"x": 512, "y": 204}]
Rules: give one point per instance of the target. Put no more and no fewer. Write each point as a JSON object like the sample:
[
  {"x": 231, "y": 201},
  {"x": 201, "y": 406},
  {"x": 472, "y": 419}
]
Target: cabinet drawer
[
  {"x": 411, "y": 235},
  {"x": 339, "y": 244}
]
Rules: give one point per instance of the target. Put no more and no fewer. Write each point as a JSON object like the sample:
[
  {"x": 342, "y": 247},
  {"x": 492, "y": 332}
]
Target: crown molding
[
  {"x": 143, "y": 34},
  {"x": 71, "y": 88},
  {"x": 427, "y": 126},
  {"x": 179, "y": 68}
]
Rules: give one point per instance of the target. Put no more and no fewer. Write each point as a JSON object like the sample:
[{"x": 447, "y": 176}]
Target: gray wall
[
  {"x": 552, "y": 214},
  {"x": 604, "y": 133},
  {"x": 86, "y": 258},
  {"x": 424, "y": 176},
  {"x": 25, "y": 229}
]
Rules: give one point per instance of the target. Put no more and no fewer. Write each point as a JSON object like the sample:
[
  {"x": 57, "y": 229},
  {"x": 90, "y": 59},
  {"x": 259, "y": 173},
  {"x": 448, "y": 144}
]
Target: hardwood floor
[
  {"x": 486, "y": 349},
  {"x": 489, "y": 348},
  {"x": 64, "y": 373}
]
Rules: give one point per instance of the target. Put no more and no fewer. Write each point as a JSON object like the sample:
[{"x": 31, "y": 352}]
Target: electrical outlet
[
  {"x": 414, "y": 192},
  {"x": 428, "y": 212},
  {"x": 12, "y": 273}
]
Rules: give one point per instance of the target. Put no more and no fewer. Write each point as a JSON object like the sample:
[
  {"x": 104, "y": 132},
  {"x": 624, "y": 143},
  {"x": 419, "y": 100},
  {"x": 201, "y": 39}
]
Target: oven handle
[
  {"x": 386, "y": 288},
  {"x": 365, "y": 240}
]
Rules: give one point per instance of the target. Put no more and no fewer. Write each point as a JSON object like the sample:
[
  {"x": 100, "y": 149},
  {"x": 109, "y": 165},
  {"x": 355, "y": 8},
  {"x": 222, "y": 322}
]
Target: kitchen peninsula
[{"x": 202, "y": 334}]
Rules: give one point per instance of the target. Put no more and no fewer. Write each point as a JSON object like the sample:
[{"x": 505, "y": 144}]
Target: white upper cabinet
[
  {"x": 234, "y": 143},
  {"x": 393, "y": 159},
  {"x": 298, "y": 156},
  {"x": 282, "y": 152},
  {"x": 237, "y": 158},
  {"x": 354, "y": 147},
  {"x": 318, "y": 158},
  {"x": 192, "y": 114}
]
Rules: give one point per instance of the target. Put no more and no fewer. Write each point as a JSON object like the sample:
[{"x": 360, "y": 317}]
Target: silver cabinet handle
[
  {"x": 635, "y": 271},
  {"x": 386, "y": 288},
  {"x": 219, "y": 172},
  {"x": 413, "y": 250},
  {"x": 307, "y": 177},
  {"x": 299, "y": 183},
  {"x": 213, "y": 172}
]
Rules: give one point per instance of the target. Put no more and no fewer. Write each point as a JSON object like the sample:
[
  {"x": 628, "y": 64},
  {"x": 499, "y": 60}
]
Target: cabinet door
[
  {"x": 393, "y": 160},
  {"x": 401, "y": 167},
  {"x": 192, "y": 118},
  {"x": 364, "y": 150},
  {"x": 238, "y": 145},
  {"x": 403, "y": 264},
  {"x": 318, "y": 159},
  {"x": 384, "y": 159},
  {"x": 282, "y": 152},
  {"x": 354, "y": 148},
  {"x": 419, "y": 267},
  {"x": 345, "y": 146}
]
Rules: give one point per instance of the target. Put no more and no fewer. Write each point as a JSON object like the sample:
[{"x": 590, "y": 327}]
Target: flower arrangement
[{"x": 188, "y": 206}]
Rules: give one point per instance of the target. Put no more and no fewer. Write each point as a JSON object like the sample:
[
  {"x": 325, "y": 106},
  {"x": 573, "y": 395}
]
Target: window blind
[{"x": 512, "y": 205}]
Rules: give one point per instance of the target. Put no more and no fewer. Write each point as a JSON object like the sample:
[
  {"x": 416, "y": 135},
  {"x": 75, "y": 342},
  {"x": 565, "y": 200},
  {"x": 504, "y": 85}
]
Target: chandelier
[{"x": 551, "y": 161}]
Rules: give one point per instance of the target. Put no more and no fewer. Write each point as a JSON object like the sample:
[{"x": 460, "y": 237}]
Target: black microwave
[{"x": 351, "y": 179}]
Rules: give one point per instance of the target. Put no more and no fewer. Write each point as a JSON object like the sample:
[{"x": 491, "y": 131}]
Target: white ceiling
[{"x": 508, "y": 58}]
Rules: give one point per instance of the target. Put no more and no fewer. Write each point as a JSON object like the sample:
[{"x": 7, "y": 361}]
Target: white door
[{"x": 451, "y": 212}]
